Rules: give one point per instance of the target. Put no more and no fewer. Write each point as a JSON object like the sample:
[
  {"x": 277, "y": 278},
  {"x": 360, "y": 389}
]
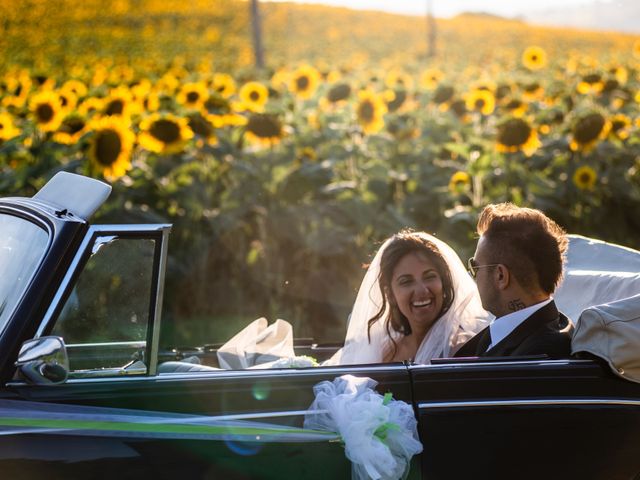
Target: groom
[{"x": 517, "y": 266}]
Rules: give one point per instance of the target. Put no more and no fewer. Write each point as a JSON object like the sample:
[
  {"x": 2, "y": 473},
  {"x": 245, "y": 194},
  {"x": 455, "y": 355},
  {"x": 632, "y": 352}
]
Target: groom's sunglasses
[{"x": 473, "y": 266}]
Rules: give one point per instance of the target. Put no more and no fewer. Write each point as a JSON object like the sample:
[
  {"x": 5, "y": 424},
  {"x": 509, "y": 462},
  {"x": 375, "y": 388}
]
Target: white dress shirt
[{"x": 503, "y": 326}]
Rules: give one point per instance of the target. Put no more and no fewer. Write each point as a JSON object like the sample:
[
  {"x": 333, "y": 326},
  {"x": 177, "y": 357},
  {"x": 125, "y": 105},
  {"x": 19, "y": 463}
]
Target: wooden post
[
  {"x": 431, "y": 31},
  {"x": 256, "y": 29}
]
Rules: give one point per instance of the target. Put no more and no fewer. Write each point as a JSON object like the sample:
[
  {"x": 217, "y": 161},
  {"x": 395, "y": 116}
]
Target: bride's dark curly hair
[{"x": 401, "y": 244}]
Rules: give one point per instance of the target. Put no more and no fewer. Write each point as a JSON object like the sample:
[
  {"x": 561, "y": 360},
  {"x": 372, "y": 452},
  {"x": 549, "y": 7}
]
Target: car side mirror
[{"x": 44, "y": 360}]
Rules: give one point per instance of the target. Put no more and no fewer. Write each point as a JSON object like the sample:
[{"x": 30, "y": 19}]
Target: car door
[
  {"x": 107, "y": 312},
  {"x": 526, "y": 419}
]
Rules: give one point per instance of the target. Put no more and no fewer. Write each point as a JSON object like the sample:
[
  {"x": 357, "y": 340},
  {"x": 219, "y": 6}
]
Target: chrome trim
[
  {"x": 154, "y": 348},
  {"x": 240, "y": 374},
  {"x": 479, "y": 364},
  {"x": 530, "y": 402}
]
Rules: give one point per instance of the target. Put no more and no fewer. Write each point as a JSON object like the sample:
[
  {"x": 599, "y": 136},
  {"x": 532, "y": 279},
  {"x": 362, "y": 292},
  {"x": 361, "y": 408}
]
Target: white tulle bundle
[{"x": 379, "y": 433}]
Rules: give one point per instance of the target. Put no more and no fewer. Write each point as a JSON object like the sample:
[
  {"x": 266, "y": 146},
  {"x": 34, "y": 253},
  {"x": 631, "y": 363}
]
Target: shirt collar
[{"x": 503, "y": 326}]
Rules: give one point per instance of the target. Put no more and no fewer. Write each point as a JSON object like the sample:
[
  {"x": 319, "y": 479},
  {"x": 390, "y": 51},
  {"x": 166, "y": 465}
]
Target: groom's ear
[{"x": 502, "y": 276}]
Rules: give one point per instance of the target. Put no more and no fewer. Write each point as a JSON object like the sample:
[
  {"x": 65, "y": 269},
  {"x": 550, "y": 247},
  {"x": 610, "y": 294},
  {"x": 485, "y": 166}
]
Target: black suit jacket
[{"x": 547, "y": 331}]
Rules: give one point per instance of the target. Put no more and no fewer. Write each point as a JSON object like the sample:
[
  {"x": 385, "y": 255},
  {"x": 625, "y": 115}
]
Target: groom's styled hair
[
  {"x": 525, "y": 240},
  {"x": 401, "y": 244}
]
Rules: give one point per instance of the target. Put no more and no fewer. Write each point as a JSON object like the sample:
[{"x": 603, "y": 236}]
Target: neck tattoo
[{"x": 515, "y": 305}]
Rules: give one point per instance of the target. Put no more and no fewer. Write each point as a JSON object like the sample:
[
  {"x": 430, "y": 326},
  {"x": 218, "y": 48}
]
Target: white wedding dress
[{"x": 463, "y": 320}]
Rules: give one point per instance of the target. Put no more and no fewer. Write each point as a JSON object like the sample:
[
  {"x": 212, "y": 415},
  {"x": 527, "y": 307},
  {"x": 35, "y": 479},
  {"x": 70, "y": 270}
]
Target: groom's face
[{"x": 489, "y": 294}]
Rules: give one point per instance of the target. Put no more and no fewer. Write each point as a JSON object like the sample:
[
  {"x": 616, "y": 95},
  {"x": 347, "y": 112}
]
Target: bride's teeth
[{"x": 422, "y": 304}]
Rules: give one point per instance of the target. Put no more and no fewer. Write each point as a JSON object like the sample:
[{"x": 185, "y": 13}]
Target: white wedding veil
[{"x": 462, "y": 321}]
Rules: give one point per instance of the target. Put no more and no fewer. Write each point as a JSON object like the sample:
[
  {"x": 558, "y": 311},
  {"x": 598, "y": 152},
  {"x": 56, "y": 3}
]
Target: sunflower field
[{"x": 280, "y": 182}]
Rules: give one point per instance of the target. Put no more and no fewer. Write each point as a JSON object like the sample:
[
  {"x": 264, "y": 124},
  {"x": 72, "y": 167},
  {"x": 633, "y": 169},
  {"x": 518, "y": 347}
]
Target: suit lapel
[
  {"x": 539, "y": 318},
  {"x": 476, "y": 346}
]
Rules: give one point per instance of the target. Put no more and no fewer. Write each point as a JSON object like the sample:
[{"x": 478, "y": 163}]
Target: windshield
[{"x": 22, "y": 246}]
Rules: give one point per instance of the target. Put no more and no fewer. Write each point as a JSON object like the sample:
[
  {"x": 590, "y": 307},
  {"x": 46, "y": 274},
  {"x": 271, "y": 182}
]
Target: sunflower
[
  {"x": 370, "y": 111},
  {"x": 515, "y": 134},
  {"x": 264, "y": 128},
  {"x": 90, "y": 106},
  {"x": 339, "y": 92},
  {"x": 515, "y": 108},
  {"x": 620, "y": 126},
  {"x": 459, "y": 109},
  {"x": 7, "y": 128},
  {"x": 534, "y": 58},
  {"x": 620, "y": 73},
  {"x": 394, "y": 99},
  {"x": 459, "y": 182},
  {"x": 164, "y": 133},
  {"x": 193, "y": 95},
  {"x": 431, "y": 78},
  {"x": 398, "y": 80},
  {"x": 120, "y": 102},
  {"x": 202, "y": 128},
  {"x": 75, "y": 86},
  {"x": 481, "y": 101},
  {"x": 253, "y": 97},
  {"x": 304, "y": 81},
  {"x": 585, "y": 178},
  {"x": 110, "y": 146},
  {"x": 503, "y": 92},
  {"x": 70, "y": 131},
  {"x": 46, "y": 110},
  {"x": 68, "y": 100},
  {"x": 227, "y": 120},
  {"x": 591, "y": 83},
  {"x": 17, "y": 91},
  {"x": 224, "y": 84},
  {"x": 532, "y": 91},
  {"x": 588, "y": 130},
  {"x": 280, "y": 79},
  {"x": 442, "y": 95}
]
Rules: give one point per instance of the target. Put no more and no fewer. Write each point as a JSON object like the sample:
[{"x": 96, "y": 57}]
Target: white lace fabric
[{"x": 462, "y": 321}]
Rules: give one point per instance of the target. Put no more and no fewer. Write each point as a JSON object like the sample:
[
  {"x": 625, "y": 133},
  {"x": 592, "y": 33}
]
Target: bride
[{"x": 416, "y": 302}]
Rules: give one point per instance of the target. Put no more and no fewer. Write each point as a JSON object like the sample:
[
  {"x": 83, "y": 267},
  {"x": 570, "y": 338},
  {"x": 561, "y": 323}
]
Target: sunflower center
[
  {"x": 479, "y": 103},
  {"x": 44, "y": 112},
  {"x": 443, "y": 94},
  {"x": 200, "y": 126},
  {"x": 592, "y": 78},
  {"x": 72, "y": 125},
  {"x": 339, "y": 92},
  {"x": 302, "y": 82},
  {"x": 399, "y": 97},
  {"x": 588, "y": 128},
  {"x": 165, "y": 130},
  {"x": 114, "y": 107},
  {"x": 264, "y": 126},
  {"x": 617, "y": 125},
  {"x": 585, "y": 178},
  {"x": 366, "y": 111},
  {"x": 514, "y": 133},
  {"x": 107, "y": 147},
  {"x": 192, "y": 97},
  {"x": 254, "y": 96},
  {"x": 458, "y": 108}
]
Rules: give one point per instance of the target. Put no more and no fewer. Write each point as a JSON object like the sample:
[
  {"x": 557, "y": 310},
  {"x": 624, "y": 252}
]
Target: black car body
[{"x": 100, "y": 289}]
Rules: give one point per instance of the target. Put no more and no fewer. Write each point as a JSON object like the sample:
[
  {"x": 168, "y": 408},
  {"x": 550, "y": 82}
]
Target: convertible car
[{"x": 80, "y": 309}]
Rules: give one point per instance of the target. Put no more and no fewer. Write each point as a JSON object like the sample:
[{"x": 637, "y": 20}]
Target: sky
[{"x": 449, "y": 8}]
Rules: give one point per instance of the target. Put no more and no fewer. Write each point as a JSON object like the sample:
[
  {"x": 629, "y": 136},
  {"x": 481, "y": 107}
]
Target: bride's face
[{"x": 416, "y": 288}]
